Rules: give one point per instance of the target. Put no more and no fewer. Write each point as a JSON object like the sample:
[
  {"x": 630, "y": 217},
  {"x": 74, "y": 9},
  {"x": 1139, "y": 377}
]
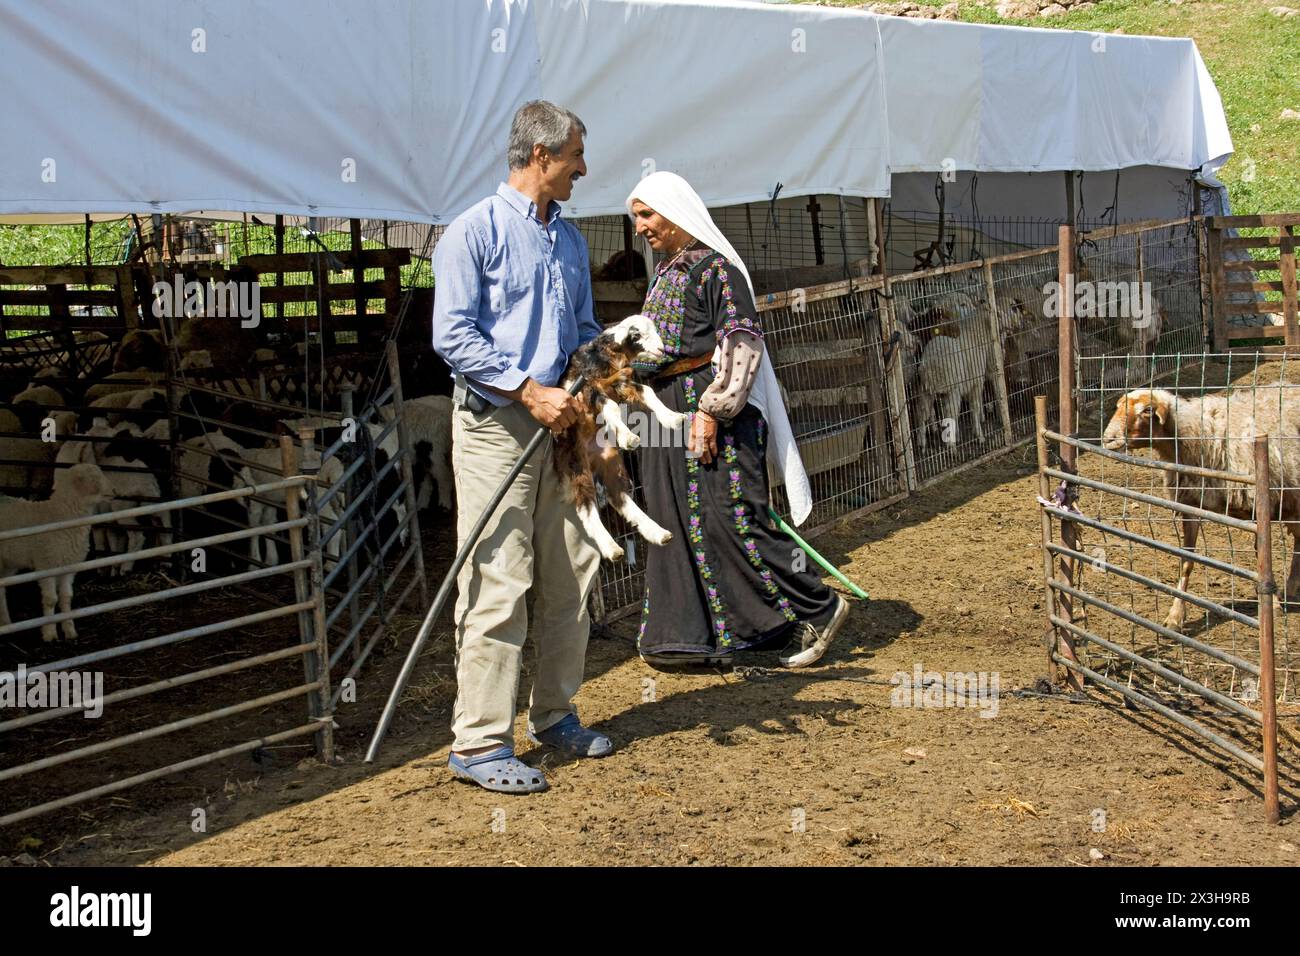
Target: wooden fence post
[
  {"x": 995, "y": 329},
  {"x": 900, "y": 413}
]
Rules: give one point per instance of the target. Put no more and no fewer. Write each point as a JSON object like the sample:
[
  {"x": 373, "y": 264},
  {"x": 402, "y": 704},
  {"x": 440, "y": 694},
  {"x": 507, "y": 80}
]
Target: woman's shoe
[{"x": 812, "y": 641}]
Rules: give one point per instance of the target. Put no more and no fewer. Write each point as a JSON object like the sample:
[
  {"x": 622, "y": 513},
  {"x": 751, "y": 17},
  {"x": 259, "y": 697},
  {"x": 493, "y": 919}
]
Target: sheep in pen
[{"x": 1211, "y": 431}]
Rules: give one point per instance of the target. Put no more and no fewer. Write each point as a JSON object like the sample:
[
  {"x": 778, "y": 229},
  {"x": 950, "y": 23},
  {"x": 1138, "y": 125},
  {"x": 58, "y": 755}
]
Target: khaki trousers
[{"x": 534, "y": 537}]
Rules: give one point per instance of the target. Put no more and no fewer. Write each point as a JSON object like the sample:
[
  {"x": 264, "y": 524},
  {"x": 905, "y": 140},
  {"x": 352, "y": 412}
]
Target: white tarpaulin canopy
[
  {"x": 1016, "y": 99},
  {"x": 400, "y": 109},
  {"x": 113, "y": 107}
]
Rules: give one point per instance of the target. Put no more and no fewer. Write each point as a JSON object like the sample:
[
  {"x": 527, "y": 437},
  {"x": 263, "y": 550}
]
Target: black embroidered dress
[{"x": 726, "y": 581}]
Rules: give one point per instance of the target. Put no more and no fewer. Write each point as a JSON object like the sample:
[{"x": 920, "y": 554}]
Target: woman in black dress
[{"x": 726, "y": 582}]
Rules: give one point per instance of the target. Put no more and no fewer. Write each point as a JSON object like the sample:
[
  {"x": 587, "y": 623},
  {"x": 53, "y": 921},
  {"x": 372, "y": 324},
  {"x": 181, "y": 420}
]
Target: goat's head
[
  {"x": 1141, "y": 417},
  {"x": 637, "y": 335}
]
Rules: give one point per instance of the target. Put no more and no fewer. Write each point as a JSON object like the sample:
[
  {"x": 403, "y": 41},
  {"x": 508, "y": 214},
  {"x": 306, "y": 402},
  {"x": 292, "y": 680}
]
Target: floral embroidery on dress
[
  {"x": 666, "y": 304},
  {"x": 695, "y": 531},
  {"x": 731, "y": 320}
]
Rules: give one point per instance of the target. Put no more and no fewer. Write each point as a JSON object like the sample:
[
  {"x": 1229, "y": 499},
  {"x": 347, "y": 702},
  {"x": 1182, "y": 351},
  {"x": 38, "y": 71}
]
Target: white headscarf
[{"x": 672, "y": 197}]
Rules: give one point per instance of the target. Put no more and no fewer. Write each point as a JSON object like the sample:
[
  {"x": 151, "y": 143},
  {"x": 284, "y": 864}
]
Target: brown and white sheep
[{"x": 1212, "y": 431}]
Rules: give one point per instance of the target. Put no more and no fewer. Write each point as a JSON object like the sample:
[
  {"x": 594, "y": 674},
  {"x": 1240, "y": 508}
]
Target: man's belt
[{"x": 689, "y": 364}]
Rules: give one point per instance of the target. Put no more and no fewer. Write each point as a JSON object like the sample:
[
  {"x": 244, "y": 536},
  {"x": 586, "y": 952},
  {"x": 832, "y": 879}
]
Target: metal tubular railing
[{"x": 1067, "y": 593}]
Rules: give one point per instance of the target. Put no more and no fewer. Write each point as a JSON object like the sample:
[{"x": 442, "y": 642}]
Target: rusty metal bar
[
  {"x": 139, "y": 599},
  {"x": 1236, "y": 706},
  {"x": 1267, "y": 588},
  {"x": 1121, "y": 492},
  {"x": 1141, "y": 699},
  {"x": 143, "y": 555},
  {"x": 1152, "y": 543},
  {"x": 1160, "y": 629},
  {"x": 143, "y": 510},
  {"x": 1053, "y": 638},
  {"x": 1154, "y": 463},
  {"x": 1167, "y": 589}
]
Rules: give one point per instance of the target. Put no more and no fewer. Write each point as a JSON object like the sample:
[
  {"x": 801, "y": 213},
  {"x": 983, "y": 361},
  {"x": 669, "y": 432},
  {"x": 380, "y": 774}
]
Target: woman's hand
[{"x": 703, "y": 440}]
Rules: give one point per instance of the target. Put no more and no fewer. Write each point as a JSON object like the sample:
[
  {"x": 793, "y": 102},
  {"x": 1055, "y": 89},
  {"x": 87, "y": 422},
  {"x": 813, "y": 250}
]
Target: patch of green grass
[{"x": 1253, "y": 56}]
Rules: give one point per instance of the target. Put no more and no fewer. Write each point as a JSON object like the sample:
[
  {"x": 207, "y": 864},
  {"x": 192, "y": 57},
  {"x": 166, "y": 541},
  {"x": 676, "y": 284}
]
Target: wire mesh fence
[
  {"x": 1021, "y": 285},
  {"x": 952, "y": 367},
  {"x": 1212, "y": 407}
]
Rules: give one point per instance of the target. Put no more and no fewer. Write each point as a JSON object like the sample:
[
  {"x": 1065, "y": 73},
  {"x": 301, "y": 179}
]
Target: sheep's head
[
  {"x": 638, "y": 335},
  {"x": 85, "y": 482},
  {"x": 1141, "y": 417}
]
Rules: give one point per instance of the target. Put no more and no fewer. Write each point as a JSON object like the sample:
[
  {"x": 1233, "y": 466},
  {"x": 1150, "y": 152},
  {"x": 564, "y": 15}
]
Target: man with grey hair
[{"x": 512, "y": 302}]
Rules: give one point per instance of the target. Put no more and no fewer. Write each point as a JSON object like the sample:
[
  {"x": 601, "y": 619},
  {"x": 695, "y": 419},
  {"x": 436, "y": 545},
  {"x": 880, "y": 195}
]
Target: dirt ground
[{"x": 771, "y": 767}]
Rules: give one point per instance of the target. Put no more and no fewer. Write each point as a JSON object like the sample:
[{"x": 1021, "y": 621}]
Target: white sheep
[
  {"x": 124, "y": 382},
  {"x": 266, "y": 467},
  {"x": 428, "y": 429},
  {"x": 134, "y": 400},
  {"x": 130, "y": 488},
  {"x": 956, "y": 367},
  {"x": 78, "y": 492},
  {"x": 1214, "y": 431},
  {"x": 43, "y": 396}
]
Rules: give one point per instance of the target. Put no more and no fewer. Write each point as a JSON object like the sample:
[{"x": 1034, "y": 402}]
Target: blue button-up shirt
[{"x": 512, "y": 296}]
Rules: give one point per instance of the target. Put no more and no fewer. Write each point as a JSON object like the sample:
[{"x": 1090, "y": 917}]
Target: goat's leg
[
  {"x": 134, "y": 543},
  {"x": 605, "y": 542},
  {"x": 975, "y": 399},
  {"x": 1188, "y": 527},
  {"x": 65, "y": 604},
  {"x": 645, "y": 526},
  {"x": 1293, "y": 573},
  {"x": 925, "y": 414},
  {"x": 612, "y": 416},
  {"x": 255, "y": 542},
  {"x": 950, "y": 416},
  {"x": 665, "y": 416},
  {"x": 442, "y": 475},
  {"x": 425, "y": 494},
  {"x": 49, "y": 587}
]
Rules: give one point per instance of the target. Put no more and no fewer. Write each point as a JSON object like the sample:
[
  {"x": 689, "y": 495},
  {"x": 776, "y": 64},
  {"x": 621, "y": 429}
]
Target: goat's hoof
[
  {"x": 1174, "y": 624},
  {"x": 629, "y": 441},
  {"x": 663, "y": 537},
  {"x": 675, "y": 421},
  {"x": 49, "y": 636},
  {"x": 613, "y": 554}
]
